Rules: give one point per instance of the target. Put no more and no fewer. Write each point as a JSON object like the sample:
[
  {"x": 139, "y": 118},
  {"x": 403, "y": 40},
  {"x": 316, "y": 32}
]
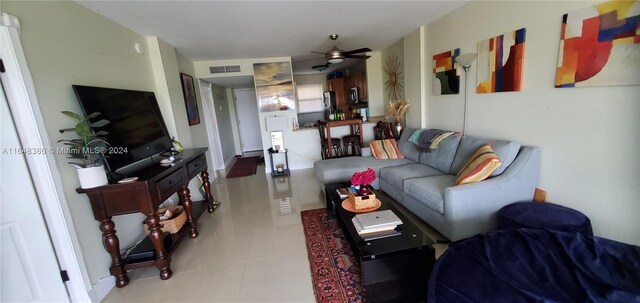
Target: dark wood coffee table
[{"x": 394, "y": 269}]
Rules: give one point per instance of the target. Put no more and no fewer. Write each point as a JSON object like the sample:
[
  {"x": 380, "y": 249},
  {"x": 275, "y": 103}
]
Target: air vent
[{"x": 224, "y": 69}]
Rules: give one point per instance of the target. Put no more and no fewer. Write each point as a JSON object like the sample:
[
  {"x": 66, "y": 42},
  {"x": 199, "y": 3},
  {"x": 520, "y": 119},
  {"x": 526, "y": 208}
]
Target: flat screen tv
[{"x": 137, "y": 130}]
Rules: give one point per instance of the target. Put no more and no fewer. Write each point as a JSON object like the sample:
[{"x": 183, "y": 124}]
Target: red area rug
[
  {"x": 334, "y": 270},
  {"x": 244, "y": 167}
]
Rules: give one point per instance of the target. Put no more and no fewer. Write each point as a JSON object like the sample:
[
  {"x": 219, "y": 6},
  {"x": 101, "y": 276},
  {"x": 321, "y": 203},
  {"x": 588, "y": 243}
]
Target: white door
[
  {"x": 29, "y": 268},
  {"x": 248, "y": 119}
]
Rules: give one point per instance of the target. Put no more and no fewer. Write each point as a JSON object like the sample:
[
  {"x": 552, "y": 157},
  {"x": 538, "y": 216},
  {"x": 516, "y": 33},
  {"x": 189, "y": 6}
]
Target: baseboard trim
[
  {"x": 301, "y": 166},
  {"x": 102, "y": 288},
  {"x": 292, "y": 167}
]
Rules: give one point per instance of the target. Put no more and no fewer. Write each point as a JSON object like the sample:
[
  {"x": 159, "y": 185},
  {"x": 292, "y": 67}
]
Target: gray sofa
[{"x": 425, "y": 182}]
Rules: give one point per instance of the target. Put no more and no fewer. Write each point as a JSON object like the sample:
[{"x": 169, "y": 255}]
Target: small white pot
[{"x": 92, "y": 177}]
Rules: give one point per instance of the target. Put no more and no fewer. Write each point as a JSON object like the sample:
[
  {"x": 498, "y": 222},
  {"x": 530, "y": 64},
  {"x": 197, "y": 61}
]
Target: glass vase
[{"x": 364, "y": 190}]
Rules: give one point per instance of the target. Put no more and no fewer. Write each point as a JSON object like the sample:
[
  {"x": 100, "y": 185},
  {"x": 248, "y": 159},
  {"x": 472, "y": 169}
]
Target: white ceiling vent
[{"x": 224, "y": 69}]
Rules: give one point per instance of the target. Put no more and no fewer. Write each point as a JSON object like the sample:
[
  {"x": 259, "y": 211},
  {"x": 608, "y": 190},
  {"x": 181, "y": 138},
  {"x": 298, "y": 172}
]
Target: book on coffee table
[
  {"x": 362, "y": 231},
  {"x": 380, "y": 235},
  {"x": 344, "y": 192},
  {"x": 378, "y": 219},
  {"x": 376, "y": 232}
]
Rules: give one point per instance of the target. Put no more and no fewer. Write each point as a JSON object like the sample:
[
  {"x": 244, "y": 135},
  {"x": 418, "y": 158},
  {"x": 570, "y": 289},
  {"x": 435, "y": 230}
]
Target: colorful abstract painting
[
  {"x": 446, "y": 74},
  {"x": 600, "y": 46},
  {"x": 274, "y": 86},
  {"x": 500, "y": 63}
]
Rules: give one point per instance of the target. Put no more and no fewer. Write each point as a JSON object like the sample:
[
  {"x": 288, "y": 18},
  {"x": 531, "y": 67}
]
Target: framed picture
[
  {"x": 274, "y": 86},
  {"x": 277, "y": 143},
  {"x": 190, "y": 101},
  {"x": 501, "y": 63}
]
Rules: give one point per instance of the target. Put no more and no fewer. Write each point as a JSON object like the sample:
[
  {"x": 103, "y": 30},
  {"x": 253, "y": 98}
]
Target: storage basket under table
[{"x": 172, "y": 225}]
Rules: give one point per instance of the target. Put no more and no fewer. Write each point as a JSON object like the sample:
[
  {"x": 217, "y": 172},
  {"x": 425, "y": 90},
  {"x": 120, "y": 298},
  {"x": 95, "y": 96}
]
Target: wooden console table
[
  {"x": 155, "y": 184},
  {"x": 352, "y": 123}
]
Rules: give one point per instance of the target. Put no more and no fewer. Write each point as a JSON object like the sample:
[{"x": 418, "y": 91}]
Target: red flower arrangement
[{"x": 363, "y": 177}]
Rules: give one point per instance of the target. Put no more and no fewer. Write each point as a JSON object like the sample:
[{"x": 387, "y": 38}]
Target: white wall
[
  {"x": 311, "y": 78},
  {"x": 234, "y": 121},
  {"x": 198, "y": 131},
  {"x": 223, "y": 116},
  {"x": 169, "y": 89},
  {"x": 374, "y": 84},
  {"x": 414, "y": 78},
  {"x": 588, "y": 136}
]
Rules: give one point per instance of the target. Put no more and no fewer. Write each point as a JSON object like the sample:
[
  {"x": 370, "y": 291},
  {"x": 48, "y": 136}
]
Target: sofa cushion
[
  {"x": 396, "y": 175},
  {"x": 481, "y": 164},
  {"x": 441, "y": 158},
  {"x": 429, "y": 190},
  {"x": 385, "y": 149},
  {"x": 408, "y": 149},
  {"x": 506, "y": 151},
  {"x": 341, "y": 169}
]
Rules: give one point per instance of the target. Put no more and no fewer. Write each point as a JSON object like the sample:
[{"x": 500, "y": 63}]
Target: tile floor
[{"x": 251, "y": 249}]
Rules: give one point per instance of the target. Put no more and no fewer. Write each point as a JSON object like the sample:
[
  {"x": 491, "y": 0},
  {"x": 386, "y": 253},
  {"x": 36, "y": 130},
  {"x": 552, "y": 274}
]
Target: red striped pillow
[
  {"x": 480, "y": 166},
  {"x": 385, "y": 149}
]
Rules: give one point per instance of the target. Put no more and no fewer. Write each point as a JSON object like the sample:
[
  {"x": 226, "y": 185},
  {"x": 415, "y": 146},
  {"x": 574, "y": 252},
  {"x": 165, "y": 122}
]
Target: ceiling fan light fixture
[{"x": 335, "y": 56}]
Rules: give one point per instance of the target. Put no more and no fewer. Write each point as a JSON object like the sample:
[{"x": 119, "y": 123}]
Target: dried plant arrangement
[{"x": 397, "y": 109}]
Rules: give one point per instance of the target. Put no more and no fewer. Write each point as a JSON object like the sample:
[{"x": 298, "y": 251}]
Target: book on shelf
[{"x": 377, "y": 219}]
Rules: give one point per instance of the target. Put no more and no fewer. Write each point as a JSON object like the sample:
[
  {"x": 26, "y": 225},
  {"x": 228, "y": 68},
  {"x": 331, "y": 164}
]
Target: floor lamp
[{"x": 465, "y": 61}]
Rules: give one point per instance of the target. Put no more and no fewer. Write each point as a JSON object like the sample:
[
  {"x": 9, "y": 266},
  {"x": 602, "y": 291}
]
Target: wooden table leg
[
  {"x": 163, "y": 260},
  {"x": 112, "y": 245},
  {"x": 185, "y": 198},
  {"x": 207, "y": 190}
]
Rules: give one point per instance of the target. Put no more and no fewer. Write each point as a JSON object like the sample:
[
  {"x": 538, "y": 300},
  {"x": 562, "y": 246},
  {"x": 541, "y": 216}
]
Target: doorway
[
  {"x": 30, "y": 269},
  {"x": 248, "y": 120}
]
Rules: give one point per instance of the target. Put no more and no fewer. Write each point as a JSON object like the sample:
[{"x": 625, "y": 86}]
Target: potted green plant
[{"x": 87, "y": 149}]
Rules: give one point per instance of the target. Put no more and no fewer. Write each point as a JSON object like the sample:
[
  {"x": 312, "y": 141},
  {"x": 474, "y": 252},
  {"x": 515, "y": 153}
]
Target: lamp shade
[
  {"x": 335, "y": 60},
  {"x": 466, "y": 59}
]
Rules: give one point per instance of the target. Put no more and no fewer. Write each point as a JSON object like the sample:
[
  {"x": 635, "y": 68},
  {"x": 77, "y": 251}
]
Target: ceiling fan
[{"x": 336, "y": 55}]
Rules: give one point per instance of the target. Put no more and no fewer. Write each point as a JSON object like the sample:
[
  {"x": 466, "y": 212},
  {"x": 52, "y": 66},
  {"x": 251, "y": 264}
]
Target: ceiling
[{"x": 218, "y": 30}]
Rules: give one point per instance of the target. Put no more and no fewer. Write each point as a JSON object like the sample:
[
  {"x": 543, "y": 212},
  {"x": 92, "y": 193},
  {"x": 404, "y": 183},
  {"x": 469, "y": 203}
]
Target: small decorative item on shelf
[{"x": 397, "y": 109}]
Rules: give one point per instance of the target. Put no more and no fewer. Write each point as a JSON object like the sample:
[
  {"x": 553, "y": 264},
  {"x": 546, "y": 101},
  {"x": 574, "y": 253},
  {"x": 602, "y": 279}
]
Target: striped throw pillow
[
  {"x": 480, "y": 166},
  {"x": 385, "y": 149}
]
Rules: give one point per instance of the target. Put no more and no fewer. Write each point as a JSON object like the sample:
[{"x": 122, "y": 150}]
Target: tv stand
[{"x": 155, "y": 184}]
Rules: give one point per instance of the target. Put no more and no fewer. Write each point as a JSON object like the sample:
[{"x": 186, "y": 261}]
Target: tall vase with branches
[{"x": 397, "y": 109}]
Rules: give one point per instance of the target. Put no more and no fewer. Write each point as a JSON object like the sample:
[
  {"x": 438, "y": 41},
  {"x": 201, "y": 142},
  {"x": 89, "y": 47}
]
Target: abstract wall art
[
  {"x": 500, "y": 63},
  {"x": 600, "y": 46},
  {"x": 446, "y": 74},
  {"x": 274, "y": 86}
]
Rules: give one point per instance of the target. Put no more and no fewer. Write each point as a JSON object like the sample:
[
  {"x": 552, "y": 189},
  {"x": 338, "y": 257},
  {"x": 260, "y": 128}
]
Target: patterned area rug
[
  {"x": 334, "y": 270},
  {"x": 244, "y": 167}
]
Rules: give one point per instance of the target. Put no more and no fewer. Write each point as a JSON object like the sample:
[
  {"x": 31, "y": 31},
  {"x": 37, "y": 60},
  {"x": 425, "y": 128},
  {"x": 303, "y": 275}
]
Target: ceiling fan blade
[
  {"x": 321, "y": 67},
  {"x": 310, "y": 59},
  {"x": 364, "y": 57},
  {"x": 355, "y": 51},
  {"x": 318, "y": 52}
]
